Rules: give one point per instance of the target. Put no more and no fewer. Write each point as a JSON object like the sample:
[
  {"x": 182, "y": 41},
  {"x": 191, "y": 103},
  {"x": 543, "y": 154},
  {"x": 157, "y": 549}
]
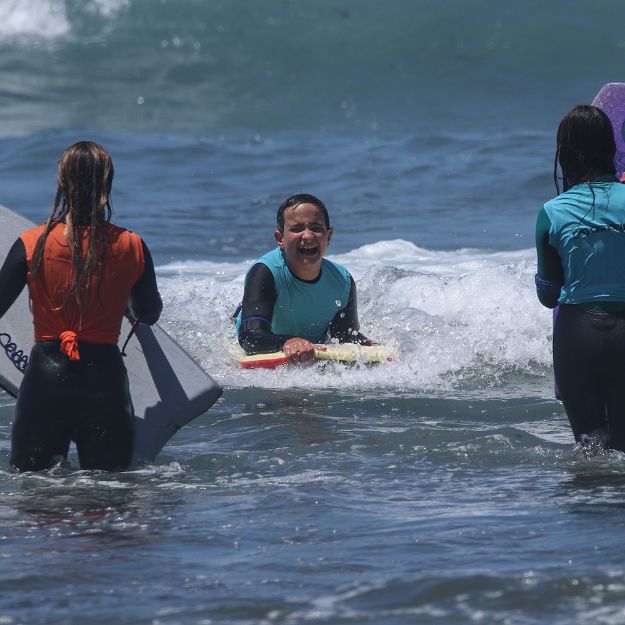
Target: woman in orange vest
[{"x": 83, "y": 274}]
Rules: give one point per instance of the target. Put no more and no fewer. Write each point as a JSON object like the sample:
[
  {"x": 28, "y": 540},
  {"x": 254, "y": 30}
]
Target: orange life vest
[{"x": 56, "y": 316}]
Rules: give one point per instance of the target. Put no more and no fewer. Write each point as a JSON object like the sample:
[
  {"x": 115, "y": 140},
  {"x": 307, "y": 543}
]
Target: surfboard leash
[
  {"x": 133, "y": 329},
  {"x": 15, "y": 355}
]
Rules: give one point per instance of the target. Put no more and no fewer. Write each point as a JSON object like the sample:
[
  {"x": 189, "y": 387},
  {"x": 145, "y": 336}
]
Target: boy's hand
[{"x": 299, "y": 350}]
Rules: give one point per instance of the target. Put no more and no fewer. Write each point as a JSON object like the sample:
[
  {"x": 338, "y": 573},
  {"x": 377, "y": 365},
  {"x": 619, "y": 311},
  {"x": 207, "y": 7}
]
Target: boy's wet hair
[{"x": 296, "y": 200}]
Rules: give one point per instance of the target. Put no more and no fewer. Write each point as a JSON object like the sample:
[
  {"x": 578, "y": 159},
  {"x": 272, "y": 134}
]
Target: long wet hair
[
  {"x": 585, "y": 147},
  {"x": 83, "y": 202}
]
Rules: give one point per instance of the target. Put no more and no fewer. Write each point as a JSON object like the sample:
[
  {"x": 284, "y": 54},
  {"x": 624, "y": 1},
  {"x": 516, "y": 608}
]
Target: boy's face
[{"x": 304, "y": 240}]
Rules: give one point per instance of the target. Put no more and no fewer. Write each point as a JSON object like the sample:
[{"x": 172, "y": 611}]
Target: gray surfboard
[{"x": 168, "y": 387}]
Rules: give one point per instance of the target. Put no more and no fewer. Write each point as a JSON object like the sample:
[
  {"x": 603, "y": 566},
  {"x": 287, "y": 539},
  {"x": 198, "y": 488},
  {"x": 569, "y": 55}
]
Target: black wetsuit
[
  {"x": 255, "y": 335},
  {"x": 84, "y": 400},
  {"x": 589, "y": 360}
]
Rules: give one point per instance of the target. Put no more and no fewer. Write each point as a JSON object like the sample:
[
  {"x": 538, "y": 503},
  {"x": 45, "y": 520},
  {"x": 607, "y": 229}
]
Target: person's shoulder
[
  {"x": 334, "y": 267},
  {"x": 37, "y": 229},
  {"x": 326, "y": 262},
  {"x": 569, "y": 199},
  {"x": 117, "y": 229},
  {"x": 266, "y": 267},
  {"x": 618, "y": 187},
  {"x": 273, "y": 254},
  {"x": 271, "y": 259},
  {"x": 615, "y": 195},
  {"x": 556, "y": 201},
  {"x": 123, "y": 237},
  {"x": 33, "y": 234},
  {"x": 546, "y": 212},
  {"x": 120, "y": 231}
]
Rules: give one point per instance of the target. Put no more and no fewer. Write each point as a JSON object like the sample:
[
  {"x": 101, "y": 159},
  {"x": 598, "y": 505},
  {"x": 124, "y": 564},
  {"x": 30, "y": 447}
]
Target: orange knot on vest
[{"x": 69, "y": 344}]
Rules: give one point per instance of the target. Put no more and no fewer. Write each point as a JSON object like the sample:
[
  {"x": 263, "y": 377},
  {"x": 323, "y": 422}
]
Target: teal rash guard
[
  {"x": 580, "y": 245},
  {"x": 277, "y": 306}
]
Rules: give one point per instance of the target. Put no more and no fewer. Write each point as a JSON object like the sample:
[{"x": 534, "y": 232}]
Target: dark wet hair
[
  {"x": 585, "y": 147},
  {"x": 296, "y": 200}
]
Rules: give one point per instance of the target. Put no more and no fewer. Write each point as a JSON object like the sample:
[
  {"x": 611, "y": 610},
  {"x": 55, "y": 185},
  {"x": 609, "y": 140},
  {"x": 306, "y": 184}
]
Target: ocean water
[{"x": 442, "y": 488}]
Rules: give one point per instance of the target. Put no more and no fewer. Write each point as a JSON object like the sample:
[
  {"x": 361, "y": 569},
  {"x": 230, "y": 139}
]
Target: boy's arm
[
  {"x": 345, "y": 326},
  {"x": 259, "y": 298}
]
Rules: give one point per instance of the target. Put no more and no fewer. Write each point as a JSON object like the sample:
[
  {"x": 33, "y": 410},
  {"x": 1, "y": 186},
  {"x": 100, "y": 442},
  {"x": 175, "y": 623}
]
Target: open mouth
[{"x": 308, "y": 250}]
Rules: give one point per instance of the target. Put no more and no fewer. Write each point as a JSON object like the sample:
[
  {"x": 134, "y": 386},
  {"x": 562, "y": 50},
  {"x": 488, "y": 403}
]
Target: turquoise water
[{"x": 441, "y": 488}]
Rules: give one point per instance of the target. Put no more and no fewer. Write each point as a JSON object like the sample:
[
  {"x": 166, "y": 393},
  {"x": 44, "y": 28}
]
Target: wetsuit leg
[
  {"x": 578, "y": 369},
  {"x": 614, "y": 370},
  {"x": 86, "y": 400},
  {"x": 589, "y": 359},
  {"x": 616, "y": 415},
  {"x": 105, "y": 429},
  {"x": 42, "y": 425}
]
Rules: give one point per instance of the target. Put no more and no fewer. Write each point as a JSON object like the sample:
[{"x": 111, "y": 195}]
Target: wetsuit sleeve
[
  {"x": 550, "y": 275},
  {"x": 345, "y": 326},
  {"x": 145, "y": 300},
  {"x": 259, "y": 298},
  {"x": 13, "y": 276}
]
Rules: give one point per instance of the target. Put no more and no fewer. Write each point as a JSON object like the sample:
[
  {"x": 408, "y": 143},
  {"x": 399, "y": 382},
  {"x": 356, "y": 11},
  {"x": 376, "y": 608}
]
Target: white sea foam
[
  {"x": 49, "y": 19},
  {"x": 106, "y": 8},
  {"x": 452, "y": 319},
  {"x": 44, "y": 19}
]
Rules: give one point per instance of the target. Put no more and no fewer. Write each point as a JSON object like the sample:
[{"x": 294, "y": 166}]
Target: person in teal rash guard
[
  {"x": 294, "y": 298},
  {"x": 580, "y": 244}
]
